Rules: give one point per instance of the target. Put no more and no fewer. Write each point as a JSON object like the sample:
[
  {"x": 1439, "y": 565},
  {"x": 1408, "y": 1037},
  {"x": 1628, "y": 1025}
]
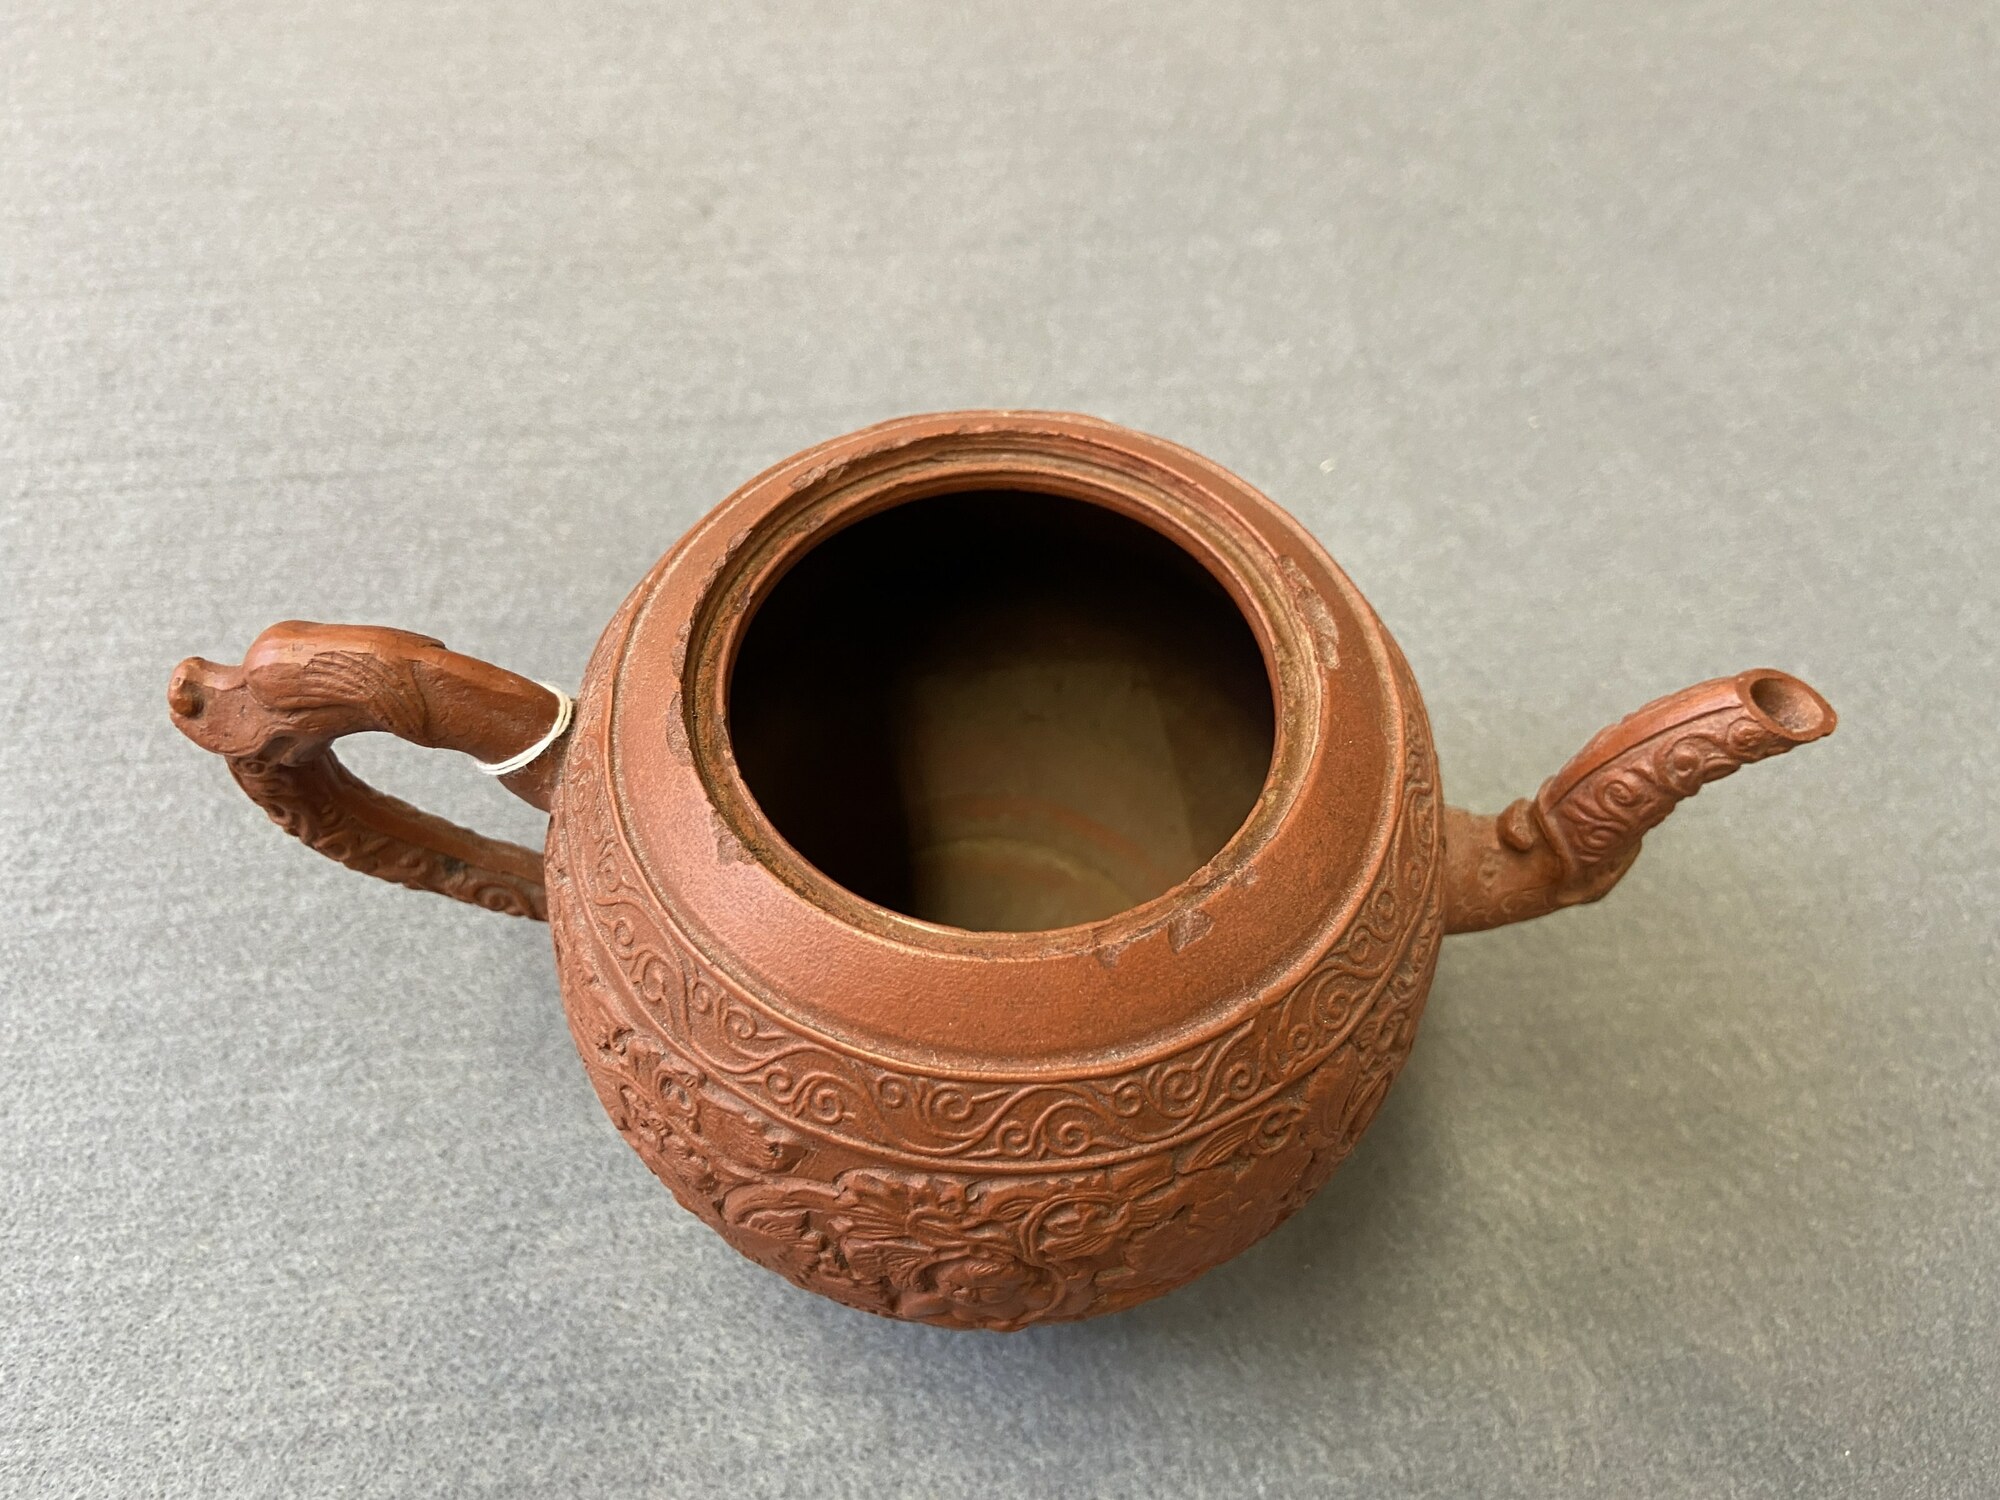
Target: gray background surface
[{"x": 1607, "y": 346}]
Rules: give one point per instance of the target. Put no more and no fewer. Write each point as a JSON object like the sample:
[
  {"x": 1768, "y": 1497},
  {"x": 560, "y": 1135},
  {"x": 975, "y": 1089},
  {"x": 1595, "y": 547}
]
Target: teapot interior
[{"x": 1002, "y": 710}]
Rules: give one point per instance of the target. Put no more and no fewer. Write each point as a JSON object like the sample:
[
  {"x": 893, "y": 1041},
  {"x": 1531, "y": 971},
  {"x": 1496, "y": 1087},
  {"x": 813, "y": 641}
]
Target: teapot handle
[{"x": 302, "y": 686}]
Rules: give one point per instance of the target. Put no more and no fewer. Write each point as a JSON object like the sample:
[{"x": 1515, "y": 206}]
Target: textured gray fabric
[{"x": 1607, "y": 346}]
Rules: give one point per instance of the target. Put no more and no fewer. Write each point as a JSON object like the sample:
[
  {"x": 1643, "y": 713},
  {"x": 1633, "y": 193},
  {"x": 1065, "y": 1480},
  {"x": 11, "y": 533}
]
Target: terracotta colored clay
[{"x": 997, "y": 864}]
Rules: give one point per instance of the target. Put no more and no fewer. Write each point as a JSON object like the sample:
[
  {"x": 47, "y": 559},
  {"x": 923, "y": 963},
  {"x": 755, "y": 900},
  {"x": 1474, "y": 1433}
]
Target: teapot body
[
  {"x": 996, "y": 860},
  {"x": 983, "y": 1129}
]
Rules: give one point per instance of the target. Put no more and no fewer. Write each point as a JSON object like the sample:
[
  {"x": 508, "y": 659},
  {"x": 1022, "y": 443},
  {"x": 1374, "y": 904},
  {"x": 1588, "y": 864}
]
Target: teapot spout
[{"x": 1575, "y": 838}]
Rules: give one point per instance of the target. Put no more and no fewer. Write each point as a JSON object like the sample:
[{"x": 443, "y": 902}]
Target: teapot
[{"x": 996, "y": 860}]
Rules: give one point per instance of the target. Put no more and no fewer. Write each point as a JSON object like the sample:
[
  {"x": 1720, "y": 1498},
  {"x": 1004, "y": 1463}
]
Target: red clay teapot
[{"x": 996, "y": 863}]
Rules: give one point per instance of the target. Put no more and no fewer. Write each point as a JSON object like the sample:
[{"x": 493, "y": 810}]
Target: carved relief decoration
[
  {"x": 1605, "y": 811},
  {"x": 326, "y": 807},
  {"x": 970, "y": 1201}
]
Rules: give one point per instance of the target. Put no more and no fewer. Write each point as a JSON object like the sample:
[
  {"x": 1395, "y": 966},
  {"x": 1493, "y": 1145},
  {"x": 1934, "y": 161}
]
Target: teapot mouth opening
[
  {"x": 1000, "y": 707},
  {"x": 1798, "y": 712}
]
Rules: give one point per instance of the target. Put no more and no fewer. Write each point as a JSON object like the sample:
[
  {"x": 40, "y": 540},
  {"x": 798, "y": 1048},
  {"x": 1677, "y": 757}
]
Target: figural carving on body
[{"x": 997, "y": 862}]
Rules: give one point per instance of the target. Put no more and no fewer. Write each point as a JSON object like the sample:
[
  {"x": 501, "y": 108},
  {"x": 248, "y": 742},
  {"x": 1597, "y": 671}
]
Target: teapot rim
[
  {"x": 685, "y": 621},
  {"x": 754, "y": 577}
]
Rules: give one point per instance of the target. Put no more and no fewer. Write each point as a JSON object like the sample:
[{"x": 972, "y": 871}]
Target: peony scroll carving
[{"x": 988, "y": 1251}]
